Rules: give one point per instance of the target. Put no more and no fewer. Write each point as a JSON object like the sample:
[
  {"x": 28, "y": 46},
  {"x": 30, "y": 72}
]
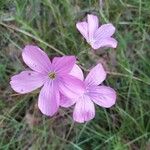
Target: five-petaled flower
[
  {"x": 97, "y": 36},
  {"x": 53, "y": 76},
  {"x": 103, "y": 96}
]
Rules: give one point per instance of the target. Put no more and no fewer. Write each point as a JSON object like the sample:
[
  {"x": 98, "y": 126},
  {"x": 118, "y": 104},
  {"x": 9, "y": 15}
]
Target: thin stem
[{"x": 32, "y": 36}]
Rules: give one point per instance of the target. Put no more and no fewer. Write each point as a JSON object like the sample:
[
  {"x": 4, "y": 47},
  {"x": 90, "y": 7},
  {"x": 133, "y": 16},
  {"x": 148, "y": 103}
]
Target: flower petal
[
  {"x": 36, "y": 59},
  {"x": 77, "y": 72},
  {"x": 63, "y": 64},
  {"x": 83, "y": 29},
  {"x": 107, "y": 42},
  {"x": 55, "y": 59},
  {"x": 96, "y": 76},
  {"x": 92, "y": 25},
  {"x": 104, "y": 31},
  {"x": 49, "y": 98},
  {"x": 102, "y": 95},
  {"x": 66, "y": 102},
  {"x": 70, "y": 86},
  {"x": 27, "y": 81},
  {"x": 84, "y": 110}
]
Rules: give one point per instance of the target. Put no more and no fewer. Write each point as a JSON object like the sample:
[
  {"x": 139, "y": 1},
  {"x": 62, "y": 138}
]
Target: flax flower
[
  {"x": 101, "y": 95},
  {"x": 97, "y": 36},
  {"x": 53, "y": 76}
]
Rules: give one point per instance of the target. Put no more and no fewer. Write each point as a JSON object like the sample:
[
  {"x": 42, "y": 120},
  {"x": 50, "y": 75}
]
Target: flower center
[{"x": 52, "y": 75}]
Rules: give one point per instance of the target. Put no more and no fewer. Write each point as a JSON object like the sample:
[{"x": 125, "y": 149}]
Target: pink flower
[
  {"x": 103, "y": 96},
  {"x": 97, "y": 36},
  {"x": 53, "y": 76}
]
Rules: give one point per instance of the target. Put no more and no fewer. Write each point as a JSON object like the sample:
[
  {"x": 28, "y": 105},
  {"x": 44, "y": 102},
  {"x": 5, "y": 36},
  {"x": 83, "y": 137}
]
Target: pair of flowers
[{"x": 63, "y": 80}]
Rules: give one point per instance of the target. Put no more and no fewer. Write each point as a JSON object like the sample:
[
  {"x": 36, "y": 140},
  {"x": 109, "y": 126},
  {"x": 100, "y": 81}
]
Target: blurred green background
[{"x": 50, "y": 24}]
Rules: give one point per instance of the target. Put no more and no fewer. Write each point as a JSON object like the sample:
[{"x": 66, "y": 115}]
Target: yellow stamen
[{"x": 52, "y": 75}]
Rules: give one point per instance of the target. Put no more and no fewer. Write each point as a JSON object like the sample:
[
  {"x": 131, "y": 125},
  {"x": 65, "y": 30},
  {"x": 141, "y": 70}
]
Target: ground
[{"x": 50, "y": 24}]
